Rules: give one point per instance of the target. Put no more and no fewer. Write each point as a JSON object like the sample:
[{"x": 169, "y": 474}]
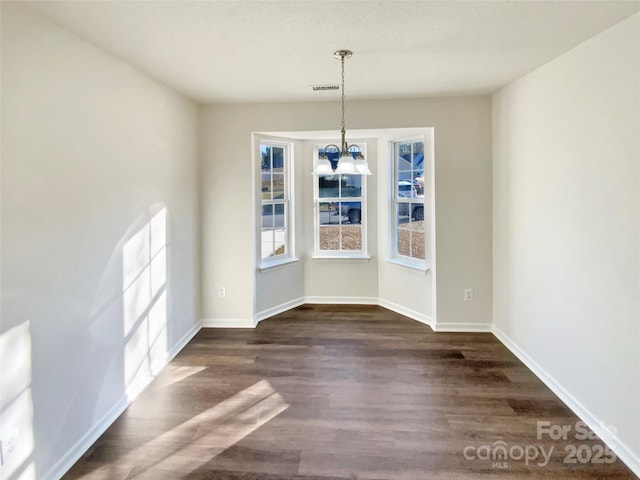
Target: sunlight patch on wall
[
  {"x": 16, "y": 420},
  {"x": 144, "y": 281}
]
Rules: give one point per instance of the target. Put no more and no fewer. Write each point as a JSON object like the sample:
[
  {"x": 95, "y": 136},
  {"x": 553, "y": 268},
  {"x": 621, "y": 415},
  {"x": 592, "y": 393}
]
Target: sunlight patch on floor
[{"x": 213, "y": 431}]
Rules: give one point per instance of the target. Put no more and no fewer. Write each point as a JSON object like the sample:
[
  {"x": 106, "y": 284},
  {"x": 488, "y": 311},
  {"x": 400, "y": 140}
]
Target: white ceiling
[{"x": 248, "y": 51}]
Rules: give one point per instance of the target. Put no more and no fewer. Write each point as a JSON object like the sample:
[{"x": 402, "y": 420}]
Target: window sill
[
  {"x": 341, "y": 258},
  {"x": 416, "y": 268},
  {"x": 277, "y": 264}
]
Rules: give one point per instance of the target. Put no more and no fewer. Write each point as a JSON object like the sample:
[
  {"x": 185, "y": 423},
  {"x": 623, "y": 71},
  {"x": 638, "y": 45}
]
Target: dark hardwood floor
[{"x": 343, "y": 392}]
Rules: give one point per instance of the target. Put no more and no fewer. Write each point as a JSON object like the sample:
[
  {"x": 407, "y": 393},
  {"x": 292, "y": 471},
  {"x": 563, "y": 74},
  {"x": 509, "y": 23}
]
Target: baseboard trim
[
  {"x": 67, "y": 461},
  {"x": 407, "y": 312},
  {"x": 74, "y": 454},
  {"x": 342, "y": 300},
  {"x": 227, "y": 323},
  {"x": 624, "y": 453},
  {"x": 464, "y": 327},
  {"x": 283, "y": 307}
]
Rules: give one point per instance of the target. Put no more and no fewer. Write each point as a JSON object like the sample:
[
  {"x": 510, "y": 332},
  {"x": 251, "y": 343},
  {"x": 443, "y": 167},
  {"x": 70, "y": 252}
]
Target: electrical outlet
[
  {"x": 11, "y": 445},
  {"x": 7, "y": 447},
  {"x": 222, "y": 292},
  {"x": 468, "y": 294}
]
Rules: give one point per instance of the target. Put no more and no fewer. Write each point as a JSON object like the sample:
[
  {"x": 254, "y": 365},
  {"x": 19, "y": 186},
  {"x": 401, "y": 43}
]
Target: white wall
[
  {"x": 567, "y": 227},
  {"x": 463, "y": 200},
  {"x": 95, "y": 156}
]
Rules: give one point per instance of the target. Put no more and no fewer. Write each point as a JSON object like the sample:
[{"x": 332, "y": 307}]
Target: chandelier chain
[
  {"x": 342, "y": 64},
  {"x": 344, "y": 147},
  {"x": 350, "y": 162}
]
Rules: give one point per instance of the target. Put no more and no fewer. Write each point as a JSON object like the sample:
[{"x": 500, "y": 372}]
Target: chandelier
[{"x": 347, "y": 165}]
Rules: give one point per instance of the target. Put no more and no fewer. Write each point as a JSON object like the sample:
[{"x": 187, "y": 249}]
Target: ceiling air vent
[{"x": 323, "y": 88}]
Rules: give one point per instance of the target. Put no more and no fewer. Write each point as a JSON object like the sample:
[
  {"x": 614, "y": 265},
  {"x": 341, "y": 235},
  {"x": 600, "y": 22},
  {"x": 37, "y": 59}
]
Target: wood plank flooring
[{"x": 340, "y": 393}]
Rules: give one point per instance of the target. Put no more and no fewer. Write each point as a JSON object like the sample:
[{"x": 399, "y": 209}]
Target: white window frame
[
  {"x": 361, "y": 254},
  {"x": 395, "y": 200},
  {"x": 289, "y": 207}
]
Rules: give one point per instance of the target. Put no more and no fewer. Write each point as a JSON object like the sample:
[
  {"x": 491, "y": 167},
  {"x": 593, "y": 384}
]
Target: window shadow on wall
[
  {"x": 16, "y": 414},
  {"x": 144, "y": 302}
]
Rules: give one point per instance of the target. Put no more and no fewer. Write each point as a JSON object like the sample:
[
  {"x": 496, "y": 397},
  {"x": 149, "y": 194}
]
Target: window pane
[
  {"x": 406, "y": 188},
  {"x": 404, "y": 241},
  {"x": 265, "y": 153},
  {"x": 278, "y": 208},
  {"x": 329, "y": 238},
  {"x": 351, "y": 186},
  {"x": 266, "y": 186},
  {"x": 267, "y": 216},
  {"x": 410, "y": 238},
  {"x": 328, "y": 213},
  {"x": 273, "y": 242},
  {"x": 404, "y": 225},
  {"x": 351, "y": 212},
  {"x": 277, "y": 160},
  {"x": 402, "y": 213},
  {"x": 351, "y": 238},
  {"x": 418, "y": 157},
  {"x": 417, "y": 243},
  {"x": 403, "y": 159},
  {"x": 279, "y": 215},
  {"x": 417, "y": 210},
  {"x": 278, "y": 185},
  {"x": 279, "y": 241},
  {"x": 267, "y": 242},
  {"x": 329, "y": 187}
]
